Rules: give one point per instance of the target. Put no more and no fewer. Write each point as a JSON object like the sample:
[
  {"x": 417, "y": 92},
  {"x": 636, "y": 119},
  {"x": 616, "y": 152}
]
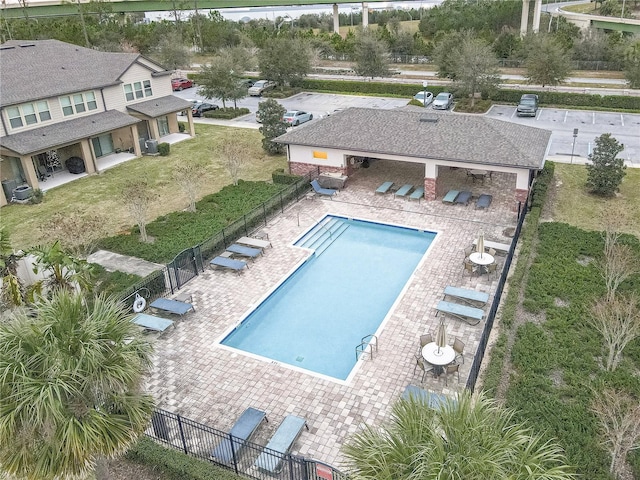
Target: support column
[
  {"x": 521, "y": 197},
  {"x": 365, "y": 15},
  {"x": 135, "y": 135},
  {"x": 336, "y": 19},
  {"x": 524, "y": 19},
  {"x": 90, "y": 162},
  {"x": 430, "y": 188},
  {"x": 537, "y": 9},
  {"x": 29, "y": 171}
]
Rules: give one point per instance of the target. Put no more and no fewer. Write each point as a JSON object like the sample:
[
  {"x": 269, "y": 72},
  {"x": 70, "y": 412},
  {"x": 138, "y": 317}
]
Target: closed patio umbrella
[
  {"x": 480, "y": 244},
  {"x": 441, "y": 335}
]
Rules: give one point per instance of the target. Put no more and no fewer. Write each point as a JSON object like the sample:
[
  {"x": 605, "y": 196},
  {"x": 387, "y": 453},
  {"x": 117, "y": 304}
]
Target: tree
[
  {"x": 619, "y": 262},
  {"x": 476, "y": 67},
  {"x": 234, "y": 156},
  {"x": 605, "y": 173},
  {"x": 77, "y": 233},
  {"x": 632, "y": 64},
  {"x": 71, "y": 375},
  {"x": 469, "y": 438},
  {"x": 285, "y": 60},
  {"x": 619, "y": 417},
  {"x": 138, "y": 195},
  {"x": 189, "y": 176},
  {"x": 62, "y": 271},
  {"x": 172, "y": 53},
  {"x": 371, "y": 55},
  {"x": 442, "y": 54},
  {"x": 270, "y": 113},
  {"x": 546, "y": 62},
  {"x": 618, "y": 321}
]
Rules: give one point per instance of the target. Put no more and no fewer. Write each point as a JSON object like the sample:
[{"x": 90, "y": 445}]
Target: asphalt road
[{"x": 561, "y": 122}]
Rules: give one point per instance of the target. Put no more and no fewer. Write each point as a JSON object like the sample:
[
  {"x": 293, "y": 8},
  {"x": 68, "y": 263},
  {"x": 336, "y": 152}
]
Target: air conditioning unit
[{"x": 152, "y": 146}]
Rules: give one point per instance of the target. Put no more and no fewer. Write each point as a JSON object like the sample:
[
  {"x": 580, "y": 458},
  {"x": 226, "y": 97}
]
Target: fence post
[
  {"x": 184, "y": 442},
  {"x": 264, "y": 213},
  {"x": 233, "y": 455}
]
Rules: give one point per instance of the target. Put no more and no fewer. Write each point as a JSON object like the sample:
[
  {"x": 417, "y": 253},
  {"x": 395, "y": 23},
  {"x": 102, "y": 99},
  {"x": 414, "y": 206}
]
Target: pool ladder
[{"x": 370, "y": 341}]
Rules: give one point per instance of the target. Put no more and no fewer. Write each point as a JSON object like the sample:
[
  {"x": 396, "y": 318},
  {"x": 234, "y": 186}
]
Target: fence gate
[{"x": 184, "y": 267}]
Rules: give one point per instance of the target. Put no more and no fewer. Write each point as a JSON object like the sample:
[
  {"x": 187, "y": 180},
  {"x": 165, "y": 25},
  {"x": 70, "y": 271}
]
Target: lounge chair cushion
[
  {"x": 484, "y": 201},
  {"x": 254, "y": 242},
  {"x": 244, "y": 251},
  {"x": 466, "y": 294},
  {"x": 228, "y": 263},
  {"x": 417, "y": 194},
  {"x": 241, "y": 432},
  {"x": 151, "y": 322},
  {"x": 471, "y": 315},
  {"x": 500, "y": 247},
  {"x": 329, "y": 192},
  {"x": 450, "y": 197},
  {"x": 384, "y": 188},
  {"x": 171, "y": 306},
  {"x": 270, "y": 460},
  {"x": 403, "y": 190},
  {"x": 433, "y": 399},
  {"x": 463, "y": 198}
]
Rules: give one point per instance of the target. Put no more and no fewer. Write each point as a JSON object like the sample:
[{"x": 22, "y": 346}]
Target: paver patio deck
[{"x": 195, "y": 377}]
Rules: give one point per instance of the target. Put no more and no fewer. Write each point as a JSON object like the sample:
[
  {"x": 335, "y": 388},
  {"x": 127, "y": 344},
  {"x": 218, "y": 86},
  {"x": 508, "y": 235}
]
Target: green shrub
[
  {"x": 541, "y": 185},
  {"x": 181, "y": 127},
  {"x": 37, "y": 196},
  {"x": 282, "y": 178},
  {"x": 176, "y": 465},
  {"x": 163, "y": 149},
  {"x": 416, "y": 103},
  {"x": 227, "y": 113},
  {"x": 113, "y": 283}
]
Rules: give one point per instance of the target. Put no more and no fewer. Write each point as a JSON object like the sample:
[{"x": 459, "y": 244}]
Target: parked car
[
  {"x": 296, "y": 117},
  {"x": 245, "y": 82},
  {"x": 443, "y": 101},
  {"x": 199, "y": 109},
  {"x": 528, "y": 106},
  {"x": 194, "y": 103},
  {"x": 181, "y": 83},
  {"x": 424, "y": 98},
  {"x": 260, "y": 87}
]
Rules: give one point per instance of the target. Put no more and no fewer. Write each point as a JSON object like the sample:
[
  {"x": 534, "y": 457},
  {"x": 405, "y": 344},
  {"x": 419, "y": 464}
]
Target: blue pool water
[{"x": 318, "y": 315}]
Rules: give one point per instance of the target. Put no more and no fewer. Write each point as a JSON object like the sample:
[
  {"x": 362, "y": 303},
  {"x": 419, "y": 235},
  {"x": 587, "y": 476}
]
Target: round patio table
[
  {"x": 438, "y": 357},
  {"x": 482, "y": 260}
]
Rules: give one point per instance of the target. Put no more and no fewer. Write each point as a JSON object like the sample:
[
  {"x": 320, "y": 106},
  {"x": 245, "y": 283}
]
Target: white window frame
[
  {"x": 137, "y": 90},
  {"x": 28, "y": 114},
  {"x": 78, "y": 103}
]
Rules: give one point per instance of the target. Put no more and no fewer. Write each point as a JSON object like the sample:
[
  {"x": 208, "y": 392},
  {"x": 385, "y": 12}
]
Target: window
[
  {"x": 28, "y": 114},
  {"x": 78, "y": 103},
  {"x": 136, "y": 90}
]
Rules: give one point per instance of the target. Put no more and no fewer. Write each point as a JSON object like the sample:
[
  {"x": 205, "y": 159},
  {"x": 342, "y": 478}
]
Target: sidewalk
[{"x": 115, "y": 262}]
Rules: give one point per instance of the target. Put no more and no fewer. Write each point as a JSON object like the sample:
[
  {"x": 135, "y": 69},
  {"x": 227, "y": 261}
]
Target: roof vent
[{"x": 429, "y": 118}]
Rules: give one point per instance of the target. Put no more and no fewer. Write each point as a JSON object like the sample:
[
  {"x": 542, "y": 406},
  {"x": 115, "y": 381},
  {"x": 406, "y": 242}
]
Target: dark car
[
  {"x": 528, "y": 105},
  {"x": 199, "y": 109},
  {"x": 181, "y": 83}
]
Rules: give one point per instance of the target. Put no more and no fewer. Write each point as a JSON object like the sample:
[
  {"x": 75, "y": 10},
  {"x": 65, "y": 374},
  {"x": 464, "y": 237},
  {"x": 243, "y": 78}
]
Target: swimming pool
[{"x": 317, "y": 316}]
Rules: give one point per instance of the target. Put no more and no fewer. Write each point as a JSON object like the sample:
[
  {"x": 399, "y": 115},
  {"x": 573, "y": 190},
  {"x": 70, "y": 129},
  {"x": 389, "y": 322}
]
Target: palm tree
[
  {"x": 469, "y": 438},
  {"x": 12, "y": 289},
  {"x": 63, "y": 270},
  {"x": 71, "y": 373}
]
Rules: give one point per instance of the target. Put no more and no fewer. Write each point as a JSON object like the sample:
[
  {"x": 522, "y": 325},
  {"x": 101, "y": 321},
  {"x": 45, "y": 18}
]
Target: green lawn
[
  {"x": 574, "y": 205},
  {"x": 101, "y": 193}
]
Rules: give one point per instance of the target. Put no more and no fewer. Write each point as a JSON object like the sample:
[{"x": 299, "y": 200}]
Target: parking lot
[{"x": 625, "y": 127}]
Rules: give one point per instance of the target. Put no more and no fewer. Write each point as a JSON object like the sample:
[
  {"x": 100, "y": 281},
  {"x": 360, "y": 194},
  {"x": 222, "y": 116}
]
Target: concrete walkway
[{"x": 122, "y": 263}]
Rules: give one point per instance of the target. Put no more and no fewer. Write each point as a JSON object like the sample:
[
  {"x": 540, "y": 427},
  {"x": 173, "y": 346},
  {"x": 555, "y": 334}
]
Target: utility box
[{"x": 152, "y": 146}]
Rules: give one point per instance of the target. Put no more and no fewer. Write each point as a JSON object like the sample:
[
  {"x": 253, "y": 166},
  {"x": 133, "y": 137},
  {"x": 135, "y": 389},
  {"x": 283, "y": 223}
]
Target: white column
[
  {"x": 336, "y": 19},
  {"x": 365, "y": 15},
  {"x": 524, "y": 19},
  {"x": 537, "y": 8}
]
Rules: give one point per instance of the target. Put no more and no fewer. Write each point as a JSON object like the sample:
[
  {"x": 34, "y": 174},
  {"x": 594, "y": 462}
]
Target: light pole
[
  {"x": 424, "y": 99},
  {"x": 575, "y": 135}
]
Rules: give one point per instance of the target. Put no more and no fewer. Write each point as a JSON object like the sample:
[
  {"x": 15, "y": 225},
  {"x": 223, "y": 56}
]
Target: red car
[{"x": 181, "y": 83}]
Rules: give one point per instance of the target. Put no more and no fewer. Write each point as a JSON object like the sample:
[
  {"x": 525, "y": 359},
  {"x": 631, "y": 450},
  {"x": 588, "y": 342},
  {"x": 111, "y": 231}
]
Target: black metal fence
[
  {"x": 239, "y": 455},
  {"x": 477, "y": 359}
]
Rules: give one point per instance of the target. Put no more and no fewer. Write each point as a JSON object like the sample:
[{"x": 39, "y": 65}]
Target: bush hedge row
[
  {"x": 227, "y": 113},
  {"x": 282, "y": 178},
  {"x": 176, "y": 465}
]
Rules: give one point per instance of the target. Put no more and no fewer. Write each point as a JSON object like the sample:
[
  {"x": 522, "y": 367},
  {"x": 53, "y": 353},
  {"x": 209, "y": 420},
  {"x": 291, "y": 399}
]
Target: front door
[{"x": 102, "y": 145}]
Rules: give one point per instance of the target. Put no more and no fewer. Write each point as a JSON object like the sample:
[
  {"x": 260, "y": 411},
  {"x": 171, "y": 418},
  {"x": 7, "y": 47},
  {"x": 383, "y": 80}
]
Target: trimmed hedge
[
  {"x": 164, "y": 149},
  {"x": 176, "y": 465},
  {"x": 227, "y": 113},
  {"x": 282, "y": 178}
]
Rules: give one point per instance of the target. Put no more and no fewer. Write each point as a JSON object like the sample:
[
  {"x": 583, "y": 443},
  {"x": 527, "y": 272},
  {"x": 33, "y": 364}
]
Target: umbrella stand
[{"x": 441, "y": 337}]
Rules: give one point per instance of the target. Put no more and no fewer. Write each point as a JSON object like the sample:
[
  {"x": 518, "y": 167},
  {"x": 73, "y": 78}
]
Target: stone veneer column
[
  {"x": 430, "y": 188},
  {"x": 521, "y": 196},
  {"x": 297, "y": 168}
]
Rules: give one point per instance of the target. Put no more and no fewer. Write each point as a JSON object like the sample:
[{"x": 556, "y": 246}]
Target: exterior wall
[{"x": 114, "y": 97}]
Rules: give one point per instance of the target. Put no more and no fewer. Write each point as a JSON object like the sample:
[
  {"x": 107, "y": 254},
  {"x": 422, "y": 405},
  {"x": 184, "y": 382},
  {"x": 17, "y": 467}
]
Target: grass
[
  {"x": 27, "y": 223},
  {"x": 575, "y": 206}
]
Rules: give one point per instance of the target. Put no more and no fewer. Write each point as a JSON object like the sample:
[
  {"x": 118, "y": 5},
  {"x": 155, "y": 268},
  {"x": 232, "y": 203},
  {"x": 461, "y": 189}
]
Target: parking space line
[
  {"x": 514, "y": 113},
  {"x": 566, "y": 113},
  {"x": 593, "y": 116},
  {"x": 539, "y": 113},
  {"x": 622, "y": 119}
]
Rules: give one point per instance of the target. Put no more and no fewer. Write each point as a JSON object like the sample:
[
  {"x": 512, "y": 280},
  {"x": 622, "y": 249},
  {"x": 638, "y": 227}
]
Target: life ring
[{"x": 139, "y": 303}]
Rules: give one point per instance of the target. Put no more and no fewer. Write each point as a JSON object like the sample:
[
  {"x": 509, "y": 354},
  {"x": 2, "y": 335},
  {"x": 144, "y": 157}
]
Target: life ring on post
[{"x": 139, "y": 304}]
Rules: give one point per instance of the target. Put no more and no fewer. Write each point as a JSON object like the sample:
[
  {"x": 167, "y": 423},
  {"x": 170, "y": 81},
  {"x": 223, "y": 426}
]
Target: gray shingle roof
[
  {"x": 32, "y": 70},
  {"x": 437, "y": 135},
  {"x": 160, "y": 106},
  {"x": 52, "y": 136}
]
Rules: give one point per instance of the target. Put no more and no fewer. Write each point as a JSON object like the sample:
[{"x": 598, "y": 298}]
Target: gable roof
[
  {"x": 435, "y": 135},
  {"x": 52, "y": 136},
  {"x": 160, "y": 106},
  {"x": 33, "y": 70}
]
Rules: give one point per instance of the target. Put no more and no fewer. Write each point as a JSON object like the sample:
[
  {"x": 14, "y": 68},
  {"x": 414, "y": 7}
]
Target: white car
[
  {"x": 296, "y": 117},
  {"x": 424, "y": 98},
  {"x": 443, "y": 101},
  {"x": 260, "y": 87}
]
